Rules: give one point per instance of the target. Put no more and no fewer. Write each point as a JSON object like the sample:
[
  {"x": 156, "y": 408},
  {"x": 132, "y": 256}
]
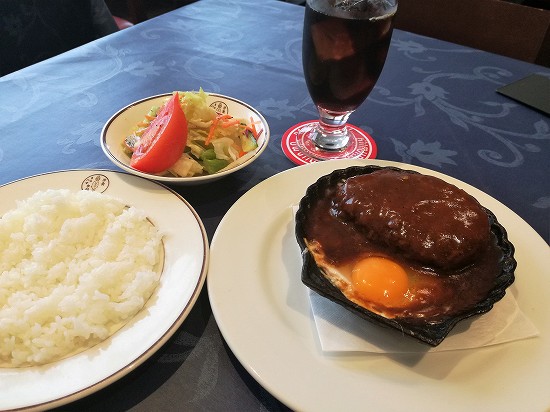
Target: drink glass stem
[{"x": 331, "y": 133}]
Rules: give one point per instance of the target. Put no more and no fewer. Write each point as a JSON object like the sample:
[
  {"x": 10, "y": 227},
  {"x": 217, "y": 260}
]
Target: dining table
[{"x": 435, "y": 107}]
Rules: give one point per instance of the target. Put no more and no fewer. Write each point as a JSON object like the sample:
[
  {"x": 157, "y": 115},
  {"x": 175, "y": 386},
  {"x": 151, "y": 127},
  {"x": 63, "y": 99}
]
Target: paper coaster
[{"x": 362, "y": 145}]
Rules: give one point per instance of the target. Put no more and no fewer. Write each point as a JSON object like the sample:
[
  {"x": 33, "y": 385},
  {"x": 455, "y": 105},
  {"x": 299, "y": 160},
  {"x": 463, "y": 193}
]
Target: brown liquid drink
[
  {"x": 345, "y": 43},
  {"x": 344, "y": 50}
]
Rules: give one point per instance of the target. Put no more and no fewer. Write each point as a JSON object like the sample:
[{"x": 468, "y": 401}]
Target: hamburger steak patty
[{"x": 397, "y": 210}]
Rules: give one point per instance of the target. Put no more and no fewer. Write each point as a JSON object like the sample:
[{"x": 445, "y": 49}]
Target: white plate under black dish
[{"x": 263, "y": 311}]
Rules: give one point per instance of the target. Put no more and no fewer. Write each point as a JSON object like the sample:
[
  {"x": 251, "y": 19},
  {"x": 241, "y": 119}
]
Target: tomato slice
[{"x": 164, "y": 140}]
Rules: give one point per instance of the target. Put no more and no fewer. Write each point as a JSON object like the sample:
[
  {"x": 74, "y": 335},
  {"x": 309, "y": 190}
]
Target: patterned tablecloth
[{"x": 435, "y": 106}]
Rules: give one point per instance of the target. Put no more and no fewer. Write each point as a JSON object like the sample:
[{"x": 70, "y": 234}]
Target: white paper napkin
[{"x": 342, "y": 331}]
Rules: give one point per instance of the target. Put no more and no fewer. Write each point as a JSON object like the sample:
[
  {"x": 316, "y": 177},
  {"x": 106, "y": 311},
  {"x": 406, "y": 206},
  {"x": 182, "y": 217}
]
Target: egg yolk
[{"x": 380, "y": 280}]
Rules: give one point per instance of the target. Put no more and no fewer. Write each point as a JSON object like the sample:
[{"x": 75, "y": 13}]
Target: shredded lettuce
[
  {"x": 224, "y": 147},
  {"x": 186, "y": 166},
  {"x": 195, "y": 108}
]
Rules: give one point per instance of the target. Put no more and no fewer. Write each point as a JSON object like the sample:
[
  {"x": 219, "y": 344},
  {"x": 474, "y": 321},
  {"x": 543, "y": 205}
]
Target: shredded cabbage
[{"x": 186, "y": 166}]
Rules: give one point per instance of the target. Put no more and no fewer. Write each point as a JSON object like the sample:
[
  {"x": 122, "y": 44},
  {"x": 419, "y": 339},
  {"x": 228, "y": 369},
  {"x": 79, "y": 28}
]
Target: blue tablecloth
[{"x": 435, "y": 105}]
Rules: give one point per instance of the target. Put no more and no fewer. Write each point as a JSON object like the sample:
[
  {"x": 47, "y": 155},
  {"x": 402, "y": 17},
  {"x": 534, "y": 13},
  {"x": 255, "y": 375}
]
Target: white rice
[{"x": 74, "y": 268}]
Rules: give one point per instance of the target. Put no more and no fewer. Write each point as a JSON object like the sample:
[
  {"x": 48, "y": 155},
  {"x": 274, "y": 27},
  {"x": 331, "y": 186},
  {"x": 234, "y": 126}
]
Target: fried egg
[
  {"x": 381, "y": 280},
  {"x": 378, "y": 282}
]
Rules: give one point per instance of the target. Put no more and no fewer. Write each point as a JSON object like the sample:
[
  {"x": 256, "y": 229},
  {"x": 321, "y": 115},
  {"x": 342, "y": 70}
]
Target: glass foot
[{"x": 300, "y": 149}]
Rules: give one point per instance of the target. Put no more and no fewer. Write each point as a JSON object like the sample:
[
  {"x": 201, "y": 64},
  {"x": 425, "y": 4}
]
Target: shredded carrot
[
  {"x": 218, "y": 118},
  {"x": 211, "y": 132},
  {"x": 230, "y": 122},
  {"x": 254, "y": 132},
  {"x": 253, "y": 127}
]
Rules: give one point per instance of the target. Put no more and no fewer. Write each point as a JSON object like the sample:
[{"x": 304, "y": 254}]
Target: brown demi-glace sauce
[{"x": 436, "y": 231}]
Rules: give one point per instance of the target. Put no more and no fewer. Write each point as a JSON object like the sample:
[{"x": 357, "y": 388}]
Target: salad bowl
[{"x": 123, "y": 122}]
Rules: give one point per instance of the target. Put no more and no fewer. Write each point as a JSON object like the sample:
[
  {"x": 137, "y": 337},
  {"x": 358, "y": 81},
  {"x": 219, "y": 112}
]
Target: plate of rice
[{"x": 93, "y": 277}]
